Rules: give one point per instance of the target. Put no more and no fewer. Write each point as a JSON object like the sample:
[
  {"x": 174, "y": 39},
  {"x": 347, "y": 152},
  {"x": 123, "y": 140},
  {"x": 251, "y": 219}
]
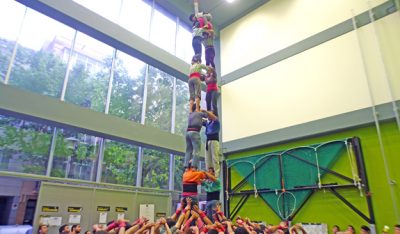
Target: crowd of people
[
  {"x": 189, "y": 219},
  {"x": 364, "y": 229}
]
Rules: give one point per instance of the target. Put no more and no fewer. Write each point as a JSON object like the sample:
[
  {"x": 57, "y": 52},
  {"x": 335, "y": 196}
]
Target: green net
[{"x": 278, "y": 172}]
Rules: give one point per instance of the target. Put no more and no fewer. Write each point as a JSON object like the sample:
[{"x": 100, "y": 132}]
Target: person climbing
[{"x": 196, "y": 72}]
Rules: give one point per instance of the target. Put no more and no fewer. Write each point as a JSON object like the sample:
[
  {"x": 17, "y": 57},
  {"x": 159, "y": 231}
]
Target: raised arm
[
  {"x": 210, "y": 115},
  {"x": 203, "y": 216}
]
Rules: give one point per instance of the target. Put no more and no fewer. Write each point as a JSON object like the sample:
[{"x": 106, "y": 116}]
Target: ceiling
[{"x": 223, "y": 13}]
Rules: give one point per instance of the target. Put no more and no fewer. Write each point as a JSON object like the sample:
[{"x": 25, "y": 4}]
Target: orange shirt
[{"x": 191, "y": 176}]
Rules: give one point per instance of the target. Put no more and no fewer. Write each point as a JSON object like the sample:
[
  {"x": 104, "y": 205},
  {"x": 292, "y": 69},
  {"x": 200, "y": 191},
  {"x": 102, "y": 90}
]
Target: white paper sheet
[
  {"x": 103, "y": 217},
  {"x": 147, "y": 210},
  {"x": 121, "y": 216},
  {"x": 74, "y": 218},
  {"x": 54, "y": 221}
]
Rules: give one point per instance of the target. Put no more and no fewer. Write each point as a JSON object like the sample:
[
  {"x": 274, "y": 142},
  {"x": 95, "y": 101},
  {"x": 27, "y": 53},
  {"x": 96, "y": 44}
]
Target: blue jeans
[
  {"x": 197, "y": 46},
  {"x": 211, "y": 100},
  {"x": 193, "y": 144}
]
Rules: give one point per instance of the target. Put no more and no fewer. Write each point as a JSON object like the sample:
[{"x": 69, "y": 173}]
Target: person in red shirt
[{"x": 212, "y": 90}]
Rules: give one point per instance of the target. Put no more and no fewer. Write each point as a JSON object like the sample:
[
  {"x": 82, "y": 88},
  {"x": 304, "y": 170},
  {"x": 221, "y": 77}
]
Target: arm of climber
[
  {"x": 121, "y": 230},
  {"x": 158, "y": 225},
  {"x": 167, "y": 229},
  {"x": 210, "y": 176},
  {"x": 192, "y": 218},
  {"x": 153, "y": 230},
  {"x": 202, "y": 215},
  {"x": 210, "y": 115},
  {"x": 229, "y": 227},
  {"x": 185, "y": 217},
  {"x": 135, "y": 226}
]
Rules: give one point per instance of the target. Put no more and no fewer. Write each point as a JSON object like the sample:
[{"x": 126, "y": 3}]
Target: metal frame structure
[{"x": 332, "y": 187}]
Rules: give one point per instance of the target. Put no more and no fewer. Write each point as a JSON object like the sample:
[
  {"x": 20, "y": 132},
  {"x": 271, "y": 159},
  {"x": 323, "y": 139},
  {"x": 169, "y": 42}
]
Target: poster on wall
[
  {"x": 103, "y": 217},
  {"x": 51, "y": 221},
  {"x": 121, "y": 216},
  {"x": 147, "y": 210},
  {"x": 315, "y": 228},
  {"x": 74, "y": 219}
]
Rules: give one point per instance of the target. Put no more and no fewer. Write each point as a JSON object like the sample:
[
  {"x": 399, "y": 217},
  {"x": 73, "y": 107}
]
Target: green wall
[{"x": 323, "y": 206}]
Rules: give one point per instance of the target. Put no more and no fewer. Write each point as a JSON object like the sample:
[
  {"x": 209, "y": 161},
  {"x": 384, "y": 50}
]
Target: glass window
[
  {"x": 75, "y": 155},
  {"x": 135, "y": 16},
  {"x": 202, "y": 164},
  {"x": 90, "y": 72},
  {"x": 182, "y": 107},
  {"x": 179, "y": 168},
  {"x": 163, "y": 31},
  {"x": 24, "y": 146},
  {"x": 159, "y": 99},
  {"x": 184, "y": 48},
  {"x": 119, "y": 164},
  {"x": 39, "y": 65},
  {"x": 127, "y": 90},
  {"x": 155, "y": 169},
  {"x": 11, "y": 12},
  {"x": 109, "y": 9}
]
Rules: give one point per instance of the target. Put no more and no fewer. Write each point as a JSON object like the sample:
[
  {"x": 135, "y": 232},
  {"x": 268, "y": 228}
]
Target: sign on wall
[
  {"x": 49, "y": 208},
  {"x": 147, "y": 210},
  {"x": 121, "y": 209},
  {"x": 103, "y": 208},
  {"x": 74, "y": 209}
]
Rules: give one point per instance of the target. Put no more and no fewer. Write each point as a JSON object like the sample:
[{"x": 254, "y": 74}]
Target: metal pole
[
  {"x": 66, "y": 77},
  {"x": 14, "y": 53},
  {"x": 110, "y": 82},
  {"x": 385, "y": 72},
  {"x": 363, "y": 175},
  {"x": 225, "y": 188},
  {"x": 100, "y": 160},
  {"x": 171, "y": 178},
  {"x": 376, "y": 121},
  {"x": 362, "y": 215},
  {"x": 139, "y": 168},
  {"x": 239, "y": 206},
  {"x": 92, "y": 161},
  {"x": 108, "y": 99},
  {"x": 51, "y": 153},
  {"x": 144, "y": 104}
]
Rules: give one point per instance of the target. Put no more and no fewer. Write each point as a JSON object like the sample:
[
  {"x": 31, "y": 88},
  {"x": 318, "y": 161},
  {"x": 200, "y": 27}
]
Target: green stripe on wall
[
  {"x": 314, "y": 128},
  {"x": 310, "y": 42}
]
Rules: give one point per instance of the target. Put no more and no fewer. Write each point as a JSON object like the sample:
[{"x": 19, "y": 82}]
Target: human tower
[{"x": 203, "y": 36}]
